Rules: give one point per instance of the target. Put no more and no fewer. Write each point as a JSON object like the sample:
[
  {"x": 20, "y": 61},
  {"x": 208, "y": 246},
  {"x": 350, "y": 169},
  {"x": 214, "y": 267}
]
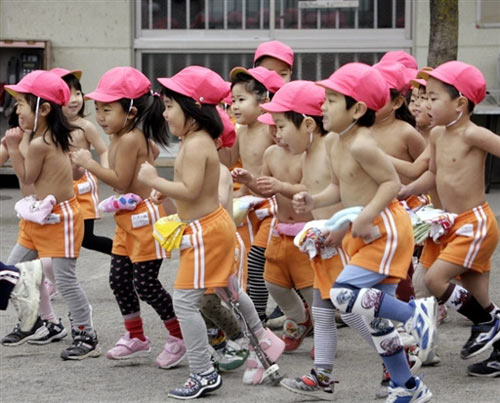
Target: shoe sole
[
  {"x": 91, "y": 354},
  {"x": 137, "y": 354},
  {"x": 53, "y": 339},
  {"x": 201, "y": 392},
  {"x": 317, "y": 394},
  {"x": 484, "y": 348},
  {"x": 17, "y": 343},
  {"x": 174, "y": 364},
  {"x": 492, "y": 375}
]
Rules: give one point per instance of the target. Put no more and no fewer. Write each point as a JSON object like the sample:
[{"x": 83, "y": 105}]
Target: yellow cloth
[{"x": 168, "y": 232}]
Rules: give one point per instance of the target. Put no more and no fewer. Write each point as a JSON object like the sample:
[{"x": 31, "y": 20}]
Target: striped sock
[{"x": 257, "y": 290}]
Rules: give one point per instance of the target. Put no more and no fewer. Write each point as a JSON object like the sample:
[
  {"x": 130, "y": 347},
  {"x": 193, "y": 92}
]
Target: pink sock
[{"x": 46, "y": 310}]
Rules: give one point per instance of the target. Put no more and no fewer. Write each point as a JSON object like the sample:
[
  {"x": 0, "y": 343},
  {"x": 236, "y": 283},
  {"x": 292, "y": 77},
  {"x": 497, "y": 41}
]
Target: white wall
[{"x": 477, "y": 46}]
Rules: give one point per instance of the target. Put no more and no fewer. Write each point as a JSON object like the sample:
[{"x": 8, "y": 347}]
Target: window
[{"x": 488, "y": 13}]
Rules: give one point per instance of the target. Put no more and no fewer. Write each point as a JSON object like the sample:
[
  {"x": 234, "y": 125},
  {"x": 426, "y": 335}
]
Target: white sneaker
[
  {"x": 419, "y": 394},
  {"x": 422, "y": 325},
  {"x": 26, "y": 294}
]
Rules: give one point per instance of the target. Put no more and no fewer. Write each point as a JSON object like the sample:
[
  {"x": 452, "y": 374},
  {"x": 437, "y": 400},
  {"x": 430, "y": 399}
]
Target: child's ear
[
  {"x": 133, "y": 112},
  {"x": 310, "y": 124},
  {"x": 462, "y": 103},
  {"x": 397, "y": 102},
  {"x": 44, "y": 109},
  {"x": 359, "y": 109}
]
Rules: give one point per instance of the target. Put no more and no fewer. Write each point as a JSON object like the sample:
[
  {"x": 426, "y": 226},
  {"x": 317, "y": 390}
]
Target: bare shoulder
[
  {"x": 474, "y": 132},
  {"x": 435, "y": 133},
  {"x": 133, "y": 140},
  {"x": 363, "y": 144},
  {"x": 408, "y": 130},
  {"x": 41, "y": 144}
]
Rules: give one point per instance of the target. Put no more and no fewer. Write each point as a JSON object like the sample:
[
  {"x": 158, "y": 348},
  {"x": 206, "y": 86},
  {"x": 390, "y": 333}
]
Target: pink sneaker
[
  {"x": 273, "y": 347},
  {"x": 126, "y": 348},
  {"x": 172, "y": 354}
]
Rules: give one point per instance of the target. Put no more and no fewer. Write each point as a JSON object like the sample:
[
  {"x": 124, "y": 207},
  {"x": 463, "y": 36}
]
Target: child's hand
[
  {"x": 147, "y": 173},
  {"x": 302, "y": 202},
  {"x": 241, "y": 175},
  {"x": 13, "y": 137},
  {"x": 157, "y": 197},
  {"x": 268, "y": 185},
  {"x": 362, "y": 228},
  {"x": 404, "y": 192},
  {"x": 81, "y": 157},
  {"x": 334, "y": 238}
]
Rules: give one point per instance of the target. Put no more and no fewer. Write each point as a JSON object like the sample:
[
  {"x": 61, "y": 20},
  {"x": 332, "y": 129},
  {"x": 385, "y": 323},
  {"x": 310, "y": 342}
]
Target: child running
[
  {"x": 380, "y": 240},
  {"x": 208, "y": 247},
  {"x": 56, "y": 231},
  {"x": 458, "y": 154},
  {"x": 131, "y": 114}
]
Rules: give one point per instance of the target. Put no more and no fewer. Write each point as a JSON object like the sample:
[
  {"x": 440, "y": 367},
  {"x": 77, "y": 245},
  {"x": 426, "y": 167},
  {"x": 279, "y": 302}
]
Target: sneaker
[
  {"x": 422, "y": 325},
  {"x": 313, "y": 385},
  {"x": 127, "y": 347},
  {"x": 18, "y": 337},
  {"x": 489, "y": 368},
  {"x": 48, "y": 333},
  {"x": 414, "y": 361},
  {"x": 230, "y": 357},
  {"x": 276, "y": 319},
  {"x": 84, "y": 345},
  {"x": 433, "y": 359},
  {"x": 419, "y": 394},
  {"x": 383, "y": 390},
  {"x": 273, "y": 346},
  {"x": 481, "y": 338},
  {"x": 197, "y": 385},
  {"x": 172, "y": 354},
  {"x": 26, "y": 294},
  {"x": 294, "y": 333}
]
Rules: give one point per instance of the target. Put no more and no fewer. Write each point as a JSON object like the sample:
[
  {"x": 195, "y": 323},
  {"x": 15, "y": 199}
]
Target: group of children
[{"x": 329, "y": 175}]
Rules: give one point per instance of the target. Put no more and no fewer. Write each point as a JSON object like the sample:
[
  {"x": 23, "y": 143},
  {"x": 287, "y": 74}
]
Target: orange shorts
[
  {"x": 62, "y": 235},
  {"x": 208, "y": 255},
  {"x": 430, "y": 253},
  {"x": 134, "y": 233},
  {"x": 257, "y": 227},
  {"x": 392, "y": 248},
  {"x": 326, "y": 272},
  {"x": 87, "y": 192},
  {"x": 286, "y": 265},
  {"x": 413, "y": 202},
  {"x": 472, "y": 240},
  {"x": 22, "y": 225}
]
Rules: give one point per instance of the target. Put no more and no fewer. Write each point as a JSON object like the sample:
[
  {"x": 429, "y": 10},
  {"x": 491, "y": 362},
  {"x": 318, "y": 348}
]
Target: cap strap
[
  {"x": 348, "y": 127},
  {"x": 129, "y": 109},
  {"x": 36, "y": 113}
]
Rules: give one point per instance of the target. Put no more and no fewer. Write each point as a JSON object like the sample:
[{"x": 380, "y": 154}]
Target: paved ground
[{"x": 37, "y": 374}]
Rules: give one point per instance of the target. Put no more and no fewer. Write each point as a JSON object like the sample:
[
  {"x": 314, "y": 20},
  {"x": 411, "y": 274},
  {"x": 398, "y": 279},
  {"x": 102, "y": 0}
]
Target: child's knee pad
[
  {"x": 385, "y": 337},
  {"x": 364, "y": 301}
]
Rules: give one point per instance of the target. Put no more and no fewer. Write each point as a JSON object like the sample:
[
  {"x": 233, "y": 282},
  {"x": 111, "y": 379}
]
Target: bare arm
[
  {"x": 4, "y": 154},
  {"x": 93, "y": 137},
  {"x": 413, "y": 169},
  {"x": 416, "y": 143},
  {"x": 27, "y": 169},
  {"x": 485, "y": 140},
  {"x": 229, "y": 156}
]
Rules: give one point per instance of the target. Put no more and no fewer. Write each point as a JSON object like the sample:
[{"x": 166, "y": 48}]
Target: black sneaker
[
  {"x": 489, "y": 368},
  {"x": 197, "y": 385},
  {"x": 48, "y": 333},
  {"x": 84, "y": 345},
  {"x": 18, "y": 337},
  {"x": 482, "y": 337}
]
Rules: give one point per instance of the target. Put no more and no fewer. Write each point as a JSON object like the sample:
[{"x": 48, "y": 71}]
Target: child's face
[
  {"x": 442, "y": 109},
  {"x": 24, "y": 112},
  {"x": 74, "y": 105},
  {"x": 294, "y": 139},
  {"x": 413, "y": 100},
  {"x": 174, "y": 115},
  {"x": 278, "y": 66},
  {"x": 110, "y": 116},
  {"x": 421, "y": 112},
  {"x": 245, "y": 107},
  {"x": 336, "y": 117}
]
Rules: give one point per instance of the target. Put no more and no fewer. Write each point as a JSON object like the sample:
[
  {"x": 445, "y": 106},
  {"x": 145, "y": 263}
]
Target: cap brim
[
  {"x": 330, "y": 85},
  {"x": 274, "y": 107},
  {"x": 267, "y": 119},
  {"x": 236, "y": 71},
  {"x": 100, "y": 97},
  {"x": 76, "y": 73},
  {"x": 417, "y": 83},
  {"x": 173, "y": 86},
  {"x": 14, "y": 89}
]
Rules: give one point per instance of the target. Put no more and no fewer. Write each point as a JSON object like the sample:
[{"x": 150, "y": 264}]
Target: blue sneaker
[
  {"x": 419, "y": 394},
  {"x": 197, "y": 385},
  {"x": 482, "y": 337},
  {"x": 422, "y": 325}
]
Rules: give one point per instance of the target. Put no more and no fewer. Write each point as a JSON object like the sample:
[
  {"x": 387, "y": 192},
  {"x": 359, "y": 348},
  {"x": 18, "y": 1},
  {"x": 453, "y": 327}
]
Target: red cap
[
  {"x": 65, "y": 72},
  {"x": 361, "y": 82},
  {"x": 199, "y": 83},
  {"x": 298, "y": 96},
  {"x": 118, "y": 83},
  {"x": 402, "y": 57},
  {"x": 43, "y": 84},
  {"x": 268, "y": 78},
  {"x": 464, "y": 77},
  {"x": 228, "y": 136},
  {"x": 267, "y": 119},
  {"x": 275, "y": 49},
  {"x": 395, "y": 74}
]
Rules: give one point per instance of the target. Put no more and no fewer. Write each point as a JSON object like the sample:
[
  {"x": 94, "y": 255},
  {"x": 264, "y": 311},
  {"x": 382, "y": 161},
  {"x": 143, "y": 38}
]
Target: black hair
[
  {"x": 74, "y": 82},
  {"x": 13, "y": 120},
  {"x": 454, "y": 94},
  {"x": 57, "y": 123},
  {"x": 368, "y": 119},
  {"x": 297, "y": 119},
  {"x": 149, "y": 117},
  {"x": 206, "y": 116},
  {"x": 252, "y": 86},
  {"x": 402, "y": 113}
]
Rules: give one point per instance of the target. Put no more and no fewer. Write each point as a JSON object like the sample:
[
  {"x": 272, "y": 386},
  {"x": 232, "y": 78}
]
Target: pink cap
[
  {"x": 65, "y": 72},
  {"x": 298, "y": 96},
  {"x": 418, "y": 82},
  {"x": 228, "y": 136},
  {"x": 275, "y": 49},
  {"x": 267, "y": 119},
  {"x": 120, "y": 82},
  {"x": 268, "y": 78},
  {"x": 464, "y": 77},
  {"x": 402, "y": 57},
  {"x": 43, "y": 84},
  {"x": 395, "y": 74},
  {"x": 361, "y": 82},
  {"x": 199, "y": 83}
]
